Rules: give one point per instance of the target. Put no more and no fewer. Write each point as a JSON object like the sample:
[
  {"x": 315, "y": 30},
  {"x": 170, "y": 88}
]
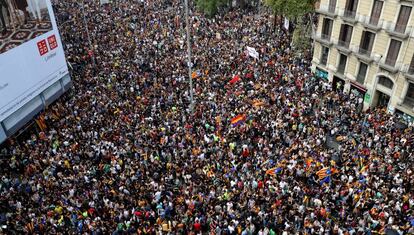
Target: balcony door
[
  {"x": 411, "y": 68},
  {"x": 345, "y": 35},
  {"x": 403, "y": 17},
  {"x": 327, "y": 29},
  {"x": 409, "y": 97},
  {"x": 362, "y": 72},
  {"x": 351, "y": 7},
  {"x": 367, "y": 41},
  {"x": 342, "y": 63},
  {"x": 332, "y": 6},
  {"x": 376, "y": 12},
  {"x": 393, "y": 52}
]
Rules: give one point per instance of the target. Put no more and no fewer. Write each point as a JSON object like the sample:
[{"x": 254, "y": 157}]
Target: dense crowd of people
[{"x": 124, "y": 154}]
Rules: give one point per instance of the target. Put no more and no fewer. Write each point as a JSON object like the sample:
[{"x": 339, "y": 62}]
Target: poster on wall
[{"x": 31, "y": 52}]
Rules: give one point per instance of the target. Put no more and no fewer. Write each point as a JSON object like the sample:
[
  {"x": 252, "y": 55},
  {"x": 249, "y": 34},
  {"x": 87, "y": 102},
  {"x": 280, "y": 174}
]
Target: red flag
[{"x": 235, "y": 79}]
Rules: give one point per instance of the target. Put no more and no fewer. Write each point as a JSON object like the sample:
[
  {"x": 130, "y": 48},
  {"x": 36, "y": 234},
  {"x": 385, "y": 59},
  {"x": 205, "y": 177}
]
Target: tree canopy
[
  {"x": 291, "y": 8},
  {"x": 210, "y": 7}
]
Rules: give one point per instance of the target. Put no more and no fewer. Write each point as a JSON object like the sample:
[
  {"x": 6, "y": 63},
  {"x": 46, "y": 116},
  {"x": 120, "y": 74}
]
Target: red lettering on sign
[
  {"x": 42, "y": 46},
  {"x": 52, "y": 42}
]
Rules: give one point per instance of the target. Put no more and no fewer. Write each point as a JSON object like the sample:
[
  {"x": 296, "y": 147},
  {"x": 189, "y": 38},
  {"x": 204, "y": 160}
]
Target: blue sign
[{"x": 321, "y": 74}]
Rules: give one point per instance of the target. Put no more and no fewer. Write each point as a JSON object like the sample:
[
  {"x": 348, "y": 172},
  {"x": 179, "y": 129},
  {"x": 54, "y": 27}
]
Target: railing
[
  {"x": 349, "y": 14},
  {"x": 326, "y": 37},
  {"x": 390, "y": 65},
  {"x": 344, "y": 44},
  {"x": 400, "y": 28},
  {"x": 372, "y": 21},
  {"x": 324, "y": 59},
  {"x": 408, "y": 69},
  {"x": 411, "y": 70},
  {"x": 332, "y": 9},
  {"x": 403, "y": 29},
  {"x": 390, "y": 62},
  {"x": 364, "y": 51},
  {"x": 360, "y": 79},
  {"x": 328, "y": 9},
  {"x": 408, "y": 101},
  {"x": 341, "y": 69}
]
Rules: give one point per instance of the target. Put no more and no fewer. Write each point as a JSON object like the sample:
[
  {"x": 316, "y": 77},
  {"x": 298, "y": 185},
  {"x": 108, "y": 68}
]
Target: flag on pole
[
  {"x": 325, "y": 180},
  {"x": 323, "y": 173},
  {"x": 286, "y": 24},
  {"x": 364, "y": 169},
  {"x": 274, "y": 171},
  {"x": 238, "y": 120},
  {"x": 41, "y": 123}
]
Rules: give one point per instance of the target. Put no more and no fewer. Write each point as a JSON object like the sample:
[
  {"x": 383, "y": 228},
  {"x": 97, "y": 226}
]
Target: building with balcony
[{"x": 367, "y": 48}]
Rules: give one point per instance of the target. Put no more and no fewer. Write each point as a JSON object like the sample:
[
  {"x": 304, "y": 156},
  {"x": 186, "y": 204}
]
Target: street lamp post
[
  {"x": 87, "y": 32},
  {"x": 189, "y": 63}
]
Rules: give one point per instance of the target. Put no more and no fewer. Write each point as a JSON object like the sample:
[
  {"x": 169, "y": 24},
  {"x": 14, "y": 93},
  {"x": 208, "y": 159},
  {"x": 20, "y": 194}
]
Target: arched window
[{"x": 385, "y": 82}]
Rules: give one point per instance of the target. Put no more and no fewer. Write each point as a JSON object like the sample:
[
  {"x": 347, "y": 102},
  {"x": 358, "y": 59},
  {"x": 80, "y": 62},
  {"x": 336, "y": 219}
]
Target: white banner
[
  {"x": 286, "y": 24},
  {"x": 252, "y": 52},
  {"x": 31, "y": 56}
]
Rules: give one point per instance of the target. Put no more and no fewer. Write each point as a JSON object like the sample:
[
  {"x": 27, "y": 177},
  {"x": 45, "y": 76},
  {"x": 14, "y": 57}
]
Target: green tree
[
  {"x": 291, "y": 8},
  {"x": 210, "y": 7},
  {"x": 298, "y": 11},
  {"x": 300, "y": 38}
]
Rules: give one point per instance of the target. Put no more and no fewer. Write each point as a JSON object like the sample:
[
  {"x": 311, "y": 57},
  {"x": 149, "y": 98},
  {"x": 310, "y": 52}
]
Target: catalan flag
[
  {"x": 323, "y": 173},
  {"x": 327, "y": 179},
  {"x": 41, "y": 123},
  {"x": 274, "y": 171},
  {"x": 238, "y": 120}
]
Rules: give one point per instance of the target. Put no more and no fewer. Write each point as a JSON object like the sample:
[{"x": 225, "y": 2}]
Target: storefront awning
[{"x": 359, "y": 87}]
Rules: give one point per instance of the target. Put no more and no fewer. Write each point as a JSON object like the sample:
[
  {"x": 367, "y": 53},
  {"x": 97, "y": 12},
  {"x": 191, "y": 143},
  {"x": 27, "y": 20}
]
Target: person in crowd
[{"x": 268, "y": 148}]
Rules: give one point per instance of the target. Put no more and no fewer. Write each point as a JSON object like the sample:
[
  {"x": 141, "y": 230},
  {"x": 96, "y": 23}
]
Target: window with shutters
[
  {"x": 345, "y": 35},
  {"x": 393, "y": 52},
  {"x": 324, "y": 55},
  {"x": 386, "y": 82},
  {"x": 327, "y": 29},
  {"x": 403, "y": 17},
  {"x": 376, "y": 12},
  {"x": 342, "y": 63},
  {"x": 332, "y": 6},
  {"x": 409, "y": 97},
  {"x": 411, "y": 68},
  {"x": 350, "y": 8},
  {"x": 367, "y": 42},
  {"x": 362, "y": 72}
]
